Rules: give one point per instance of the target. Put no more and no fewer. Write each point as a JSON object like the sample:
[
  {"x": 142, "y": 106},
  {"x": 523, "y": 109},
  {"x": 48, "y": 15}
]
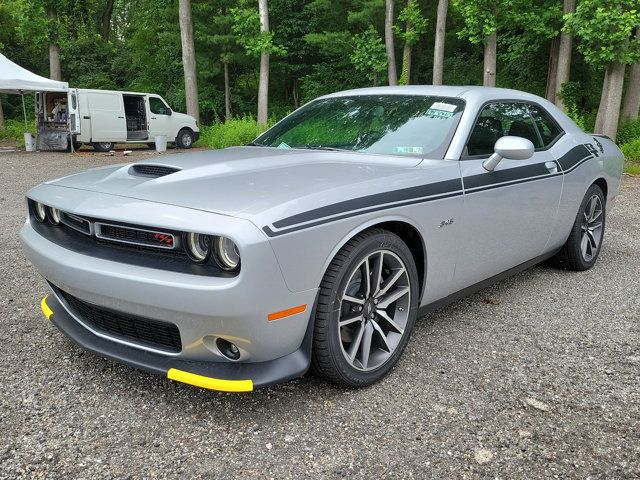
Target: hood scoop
[{"x": 151, "y": 171}]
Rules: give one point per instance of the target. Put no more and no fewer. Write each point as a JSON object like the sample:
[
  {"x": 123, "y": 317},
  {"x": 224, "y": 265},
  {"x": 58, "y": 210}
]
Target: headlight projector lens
[
  {"x": 227, "y": 254},
  {"x": 54, "y": 215},
  {"x": 40, "y": 211},
  {"x": 198, "y": 247}
]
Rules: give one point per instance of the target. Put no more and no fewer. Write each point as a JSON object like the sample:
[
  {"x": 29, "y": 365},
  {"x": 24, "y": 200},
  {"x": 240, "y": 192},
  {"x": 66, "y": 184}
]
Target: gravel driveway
[{"x": 535, "y": 377}]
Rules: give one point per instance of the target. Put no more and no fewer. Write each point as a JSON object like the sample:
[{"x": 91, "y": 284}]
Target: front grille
[
  {"x": 144, "y": 170},
  {"x": 137, "y": 236},
  {"x": 163, "y": 335}
]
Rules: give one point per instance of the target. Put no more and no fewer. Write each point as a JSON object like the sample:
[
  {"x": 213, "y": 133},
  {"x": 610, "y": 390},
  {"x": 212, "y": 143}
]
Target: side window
[
  {"x": 498, "y": 120},
  {"x": 548, "y": 128},
  {"x": 158, "y": 107}
]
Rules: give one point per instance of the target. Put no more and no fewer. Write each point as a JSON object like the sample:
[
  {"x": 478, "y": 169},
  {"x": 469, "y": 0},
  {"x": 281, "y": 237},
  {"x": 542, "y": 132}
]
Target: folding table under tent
[{"x": 17, "y": 80}]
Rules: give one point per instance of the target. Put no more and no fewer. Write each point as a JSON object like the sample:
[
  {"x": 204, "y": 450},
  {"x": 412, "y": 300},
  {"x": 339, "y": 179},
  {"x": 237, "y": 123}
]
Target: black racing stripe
[
  {"x": 271, "y": 233},
  {"x": 584, "y": 160},
  {"x": 516, "y": 182},
  {"x": 502, "y": 176},
  {"x": 411, "y": 193},
  {"x": 574, "y": 156}
]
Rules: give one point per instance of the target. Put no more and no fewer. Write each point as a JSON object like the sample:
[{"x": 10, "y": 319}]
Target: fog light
[
  {"x": 54, "y": 215},
  {"x": 228, "y": 349},
  {"x": 40, "y": 211}
]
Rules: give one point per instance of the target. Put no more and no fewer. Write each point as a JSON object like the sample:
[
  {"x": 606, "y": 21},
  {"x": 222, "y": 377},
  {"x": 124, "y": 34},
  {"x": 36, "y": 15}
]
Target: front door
[
  {"x": 509, "y": 213},
  {"x": 160, "y": 119}
]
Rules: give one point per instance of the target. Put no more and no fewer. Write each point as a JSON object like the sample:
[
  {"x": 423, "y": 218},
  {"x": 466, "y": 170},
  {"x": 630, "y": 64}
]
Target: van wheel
[
  {"x": 103, "y": 146},
  {"x": 184, "y": 138}
]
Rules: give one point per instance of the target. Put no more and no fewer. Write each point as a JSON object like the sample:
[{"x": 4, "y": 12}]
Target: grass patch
[
  {"x": 632, "y": 168},
  {"x": 232, "y": 133},
  {"x": 14, "y": 131}
]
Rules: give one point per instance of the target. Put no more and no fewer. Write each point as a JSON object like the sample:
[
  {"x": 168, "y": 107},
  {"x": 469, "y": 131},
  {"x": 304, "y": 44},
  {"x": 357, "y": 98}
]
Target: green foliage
[
  {"x": 413, "y": 23},
  {"x": 14, "y": 131},
  {"x": 233, "y": 132},
  {"x": 480, "y": 18},
  {"x": 628, "y": 132},
  {"x": 369, "y": 55},
  {"x": 571, "y": 95},
  {"x": 246, "y": 27},
  {"x": 631, "y": 150},
  {"x": 605, "y": 28}
]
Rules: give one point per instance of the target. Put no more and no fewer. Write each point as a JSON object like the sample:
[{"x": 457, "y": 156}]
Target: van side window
[{"x": 158, "y": 107}]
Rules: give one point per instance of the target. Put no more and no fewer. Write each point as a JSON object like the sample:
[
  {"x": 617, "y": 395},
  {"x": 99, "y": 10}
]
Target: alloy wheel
[
  {"x": 374, "y": 310},
  {"x": 591, "y": 228}
]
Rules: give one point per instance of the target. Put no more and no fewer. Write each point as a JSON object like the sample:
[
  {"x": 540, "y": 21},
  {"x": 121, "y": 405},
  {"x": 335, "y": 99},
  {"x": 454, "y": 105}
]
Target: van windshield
[{"x": 382, "y": 124}]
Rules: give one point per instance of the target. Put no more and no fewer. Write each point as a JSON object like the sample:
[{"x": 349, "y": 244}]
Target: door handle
[
  {"x": 87, "y": 117},
  {"x": 153, "y": 118},
  {"x": 120, "y": 117},
  {"x": 552, "y": 167}
]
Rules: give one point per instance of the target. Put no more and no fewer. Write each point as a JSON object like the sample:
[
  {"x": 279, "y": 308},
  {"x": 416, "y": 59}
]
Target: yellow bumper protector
[
  {"x": 45, "y": 308},
  {"x": 210, "y": 383}
]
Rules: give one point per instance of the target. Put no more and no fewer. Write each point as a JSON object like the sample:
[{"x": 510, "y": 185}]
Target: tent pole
[{"x": 24, "y": 112}]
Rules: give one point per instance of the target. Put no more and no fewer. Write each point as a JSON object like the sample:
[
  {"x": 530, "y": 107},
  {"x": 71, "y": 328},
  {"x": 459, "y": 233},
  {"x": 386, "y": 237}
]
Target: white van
[{"x": 102, "y": 118}]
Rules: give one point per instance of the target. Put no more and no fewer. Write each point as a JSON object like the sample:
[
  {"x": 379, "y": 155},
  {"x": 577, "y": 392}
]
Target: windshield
[{"x": 382, "y": 124}]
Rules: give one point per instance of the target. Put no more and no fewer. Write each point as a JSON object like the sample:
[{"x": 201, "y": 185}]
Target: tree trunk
[
  {"x": 603, "y": 101},
  {"x": 55, "y": 72},
  {"x": 105, "y": 20},
  {"x": 1, "y": 116},
  {"x": 564, "y": 55},
  {"x": 388, "y": 41},
  {"x": 405, "y": 75},
  {"x": 631, "y": 107},
  {"x": 613, "y": 100},
  {"x": 227, "y": 92},
  {"x": 552, "y": 73},
  {"x": 490, "y": 52},
  {"x": 189, "y": 59},
  {"x": 263, "y": 85},
  {"x": 438, "y": 50},
  {"x": 295, "y": 93}
]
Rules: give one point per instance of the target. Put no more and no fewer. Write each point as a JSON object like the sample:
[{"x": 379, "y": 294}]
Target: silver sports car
[{"x": 320, "y": 243}]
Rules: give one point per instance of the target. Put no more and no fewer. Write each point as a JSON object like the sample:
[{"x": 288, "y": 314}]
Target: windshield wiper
[
  {"x": 320, "y": 147},
  {"x": 254, "y": 144}
]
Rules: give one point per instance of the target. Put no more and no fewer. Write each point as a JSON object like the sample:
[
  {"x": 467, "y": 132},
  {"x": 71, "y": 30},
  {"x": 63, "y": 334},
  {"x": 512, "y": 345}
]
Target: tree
[
  {"x": 632, "y": 98},
  {"x": 369, "y": 54},
  {"x": 564, "y": 55},
  {"x": 263, "y": 86},
  {"x": 438, "y": 50},
  {"x": 55, "y": 71},
  {"x": 105, "y": 20},
  {"x": 605, "y": 29},
  {"x": 415, "y": 26},
  {"x": 189, "y": 59},
  {"x": 388, "y": 42}
]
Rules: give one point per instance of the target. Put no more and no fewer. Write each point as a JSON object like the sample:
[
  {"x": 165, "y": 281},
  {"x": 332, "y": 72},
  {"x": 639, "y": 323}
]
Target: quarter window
[
  {"x": 158, "y": 107},
  {"x": 548, "y": 128},
  {"x": 498, "y": 120}
]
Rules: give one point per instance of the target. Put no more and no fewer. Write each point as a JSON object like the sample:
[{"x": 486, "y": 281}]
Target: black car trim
[{"x": 426, "y": 193}]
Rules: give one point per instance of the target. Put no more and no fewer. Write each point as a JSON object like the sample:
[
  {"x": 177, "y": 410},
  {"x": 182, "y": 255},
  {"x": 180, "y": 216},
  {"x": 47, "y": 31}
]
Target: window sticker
[
  {"x": 283, "y": 145},
  {"x": 409, "y": 150},
  {"x": 441, "y": 110}
]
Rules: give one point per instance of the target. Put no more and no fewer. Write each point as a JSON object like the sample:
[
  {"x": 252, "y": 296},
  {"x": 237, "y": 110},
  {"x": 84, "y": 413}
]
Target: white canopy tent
[{"x": 18, "y": 80}]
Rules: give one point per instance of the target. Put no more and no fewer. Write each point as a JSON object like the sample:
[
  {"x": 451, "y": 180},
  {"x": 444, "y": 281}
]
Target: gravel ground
[{"x": 534, "y": 377}]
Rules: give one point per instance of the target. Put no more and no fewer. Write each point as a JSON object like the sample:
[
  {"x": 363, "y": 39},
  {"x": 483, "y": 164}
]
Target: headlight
[
  {"x": 227, "y": 254},
  {"x": 54, "y": 215},
  {"x": 198, "y": 247},
  {"x": 40, "y": 211}
]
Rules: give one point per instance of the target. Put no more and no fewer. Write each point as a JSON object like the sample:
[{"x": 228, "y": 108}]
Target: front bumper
[{"x": 226, "y": 377}]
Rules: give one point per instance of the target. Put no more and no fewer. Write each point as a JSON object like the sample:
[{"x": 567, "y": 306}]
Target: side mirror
[{"x": 512, "y": 148}]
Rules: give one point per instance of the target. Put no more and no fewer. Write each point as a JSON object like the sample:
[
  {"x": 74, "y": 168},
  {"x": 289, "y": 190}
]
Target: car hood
[{"x": 249, "y": 181}]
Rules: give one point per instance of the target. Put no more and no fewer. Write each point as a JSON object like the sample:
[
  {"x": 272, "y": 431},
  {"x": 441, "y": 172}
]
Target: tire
[
  {"x": 103, "y": 146},
  {"x": 338, "y": 353},
  {"x": 185, "y": 138},
  {"x": 582, "y": 248}
]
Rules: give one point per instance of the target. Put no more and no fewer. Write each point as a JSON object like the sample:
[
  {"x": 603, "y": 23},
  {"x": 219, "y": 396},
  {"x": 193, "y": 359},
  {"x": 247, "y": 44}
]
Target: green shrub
[
  {"x": 628, "y": 132},
  {"x": 14, "y": 131},
  {"x": 234, "y": 132},
  {"x": 631, "y": 150}
]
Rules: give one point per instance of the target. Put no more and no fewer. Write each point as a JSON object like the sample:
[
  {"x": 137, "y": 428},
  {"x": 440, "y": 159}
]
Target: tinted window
[
  {"x": 383, "y": 124},
  {"x": 548, "y": 128},
  {"x": 498, "y": 120},
  {"x": 158, "y": 107}
]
